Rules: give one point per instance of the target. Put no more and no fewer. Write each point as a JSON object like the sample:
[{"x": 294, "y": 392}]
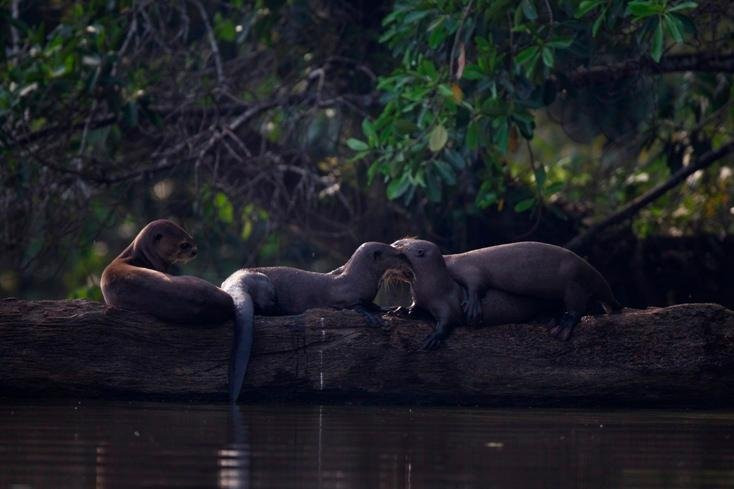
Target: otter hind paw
[
  {"x": 566, "y": 325},
  {"x": 373, "y": 319},
  {"x": 433, "y": 341}
]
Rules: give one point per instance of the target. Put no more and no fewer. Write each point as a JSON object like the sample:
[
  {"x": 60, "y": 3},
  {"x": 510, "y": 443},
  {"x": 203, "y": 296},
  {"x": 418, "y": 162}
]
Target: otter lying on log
[
  {"x": 137, "y": 280},
  {"x": 435, "y": 291},
  {"x": 287, "y": 290},
  {"x": 524, "y": 278}
]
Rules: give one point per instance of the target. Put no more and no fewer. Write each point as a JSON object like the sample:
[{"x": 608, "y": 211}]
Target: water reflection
[{"x": 108, "y": 445}]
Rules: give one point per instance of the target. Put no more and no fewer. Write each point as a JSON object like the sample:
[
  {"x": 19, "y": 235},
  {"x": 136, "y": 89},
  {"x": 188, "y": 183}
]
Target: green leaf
[
  {"x": 445, "y": 90},
  {"x": 528, "y": 9},
  {"x": 446, "y": 172},
  {"x": 528, "y": 58},
  {"x": 524, "y": 122},
  {"x": 473, "y": 72},
  {"x": 427, "y": 68},
  {"x": 656, "y": 51},
  {"x": 598, "y": 23},
  {"x": 472, "y": 135},
  {"x": 685, "y": 23},
  {"x": 438, "y": 35},
  {"x": 682, "y": 6},
  {"x": 526, "y": 54},
  {"x": 437, "y": 139},
  {"x": 224, "y": 28},
  {"x": 357, "y": 145},
  {"x": 641, "y": 9},
  {"x": 560, "y": 42},
  {"x": 455, "y": 158},
  {"x": 674, "y": 28},
  {"x": 525, "y": 204},
  {"x": 368, "y": 130},
  {"x": 398, "y": 186},
  {"x": 548, "y": 57},
  {"x": 373, "y": 171},
  {"x": 415, "y": 16},
  {"x": 586, "y": 6},
  {"x": 553, "y": 188},
  {"x": 225, "y": 210},
  {"x": 485, "y": 199},
  {"x": 540, "y": 176}
]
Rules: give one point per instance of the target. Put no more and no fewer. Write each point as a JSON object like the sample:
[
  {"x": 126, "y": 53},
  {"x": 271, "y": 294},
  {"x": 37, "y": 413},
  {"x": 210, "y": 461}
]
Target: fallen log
[{"x": 678, "y": 355}]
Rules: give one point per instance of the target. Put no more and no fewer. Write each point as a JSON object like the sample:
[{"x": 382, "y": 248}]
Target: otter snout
[{"x": 400, "y": 269}]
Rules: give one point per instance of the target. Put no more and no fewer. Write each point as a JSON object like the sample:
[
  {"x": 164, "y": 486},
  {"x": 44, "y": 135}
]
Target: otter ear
[
  {"x": 376, "y": 255},
  {"x": 157, "y": 237}
]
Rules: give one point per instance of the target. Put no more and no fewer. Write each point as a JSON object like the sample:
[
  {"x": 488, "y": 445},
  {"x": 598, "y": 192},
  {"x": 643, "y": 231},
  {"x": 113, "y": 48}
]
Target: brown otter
[
  {"x": 529, "y": 269},
  {"x": 287, "y": 291},
  {"x": 435, "y": 291},
  {"x": 137, "y": 279}
]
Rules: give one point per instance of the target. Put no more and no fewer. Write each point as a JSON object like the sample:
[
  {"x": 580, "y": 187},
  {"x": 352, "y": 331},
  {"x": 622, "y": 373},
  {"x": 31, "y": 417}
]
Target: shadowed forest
[{"x": 289, "y": 132}]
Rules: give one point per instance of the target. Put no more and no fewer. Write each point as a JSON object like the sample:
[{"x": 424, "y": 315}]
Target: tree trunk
[{"x": 676, "y": 355}]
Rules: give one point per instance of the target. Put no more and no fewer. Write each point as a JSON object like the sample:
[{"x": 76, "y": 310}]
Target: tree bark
[{"x": 677, "y": 355}]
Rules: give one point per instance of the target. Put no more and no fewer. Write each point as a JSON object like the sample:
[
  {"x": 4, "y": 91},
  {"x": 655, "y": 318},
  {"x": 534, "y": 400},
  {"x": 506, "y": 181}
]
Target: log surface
[{"x": 682, "y": 355}]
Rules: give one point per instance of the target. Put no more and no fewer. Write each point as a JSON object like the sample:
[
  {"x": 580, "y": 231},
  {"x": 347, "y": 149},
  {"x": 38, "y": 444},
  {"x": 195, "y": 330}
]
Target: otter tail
[
  {"x": 605, "y": 295},
  {"x": 244, "y": 313}
]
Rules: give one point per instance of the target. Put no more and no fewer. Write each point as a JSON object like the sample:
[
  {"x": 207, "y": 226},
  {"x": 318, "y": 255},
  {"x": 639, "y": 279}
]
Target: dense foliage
[{"x": 474, "y": 74}]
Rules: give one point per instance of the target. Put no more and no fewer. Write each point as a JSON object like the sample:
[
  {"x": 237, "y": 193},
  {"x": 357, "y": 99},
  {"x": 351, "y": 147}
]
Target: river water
[{"x": 106, "y": 445}]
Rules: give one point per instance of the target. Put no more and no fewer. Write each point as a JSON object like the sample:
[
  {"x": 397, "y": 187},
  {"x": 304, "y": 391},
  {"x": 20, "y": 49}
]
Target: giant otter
[
  {"x": 137, "y": 279},
  {"x": 434, "y": 290},
  {"x": 529, "y": 269},
  {"x": 287, "y": 291}
]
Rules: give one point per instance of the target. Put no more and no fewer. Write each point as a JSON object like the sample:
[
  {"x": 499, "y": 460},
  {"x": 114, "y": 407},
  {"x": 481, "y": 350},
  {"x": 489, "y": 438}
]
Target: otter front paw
[
  {"x": 472, "y": 308},
  {"x": 565, "y": 326},
  {"x": 373, "y": 319},
  {"x": 434, "y": 340}
]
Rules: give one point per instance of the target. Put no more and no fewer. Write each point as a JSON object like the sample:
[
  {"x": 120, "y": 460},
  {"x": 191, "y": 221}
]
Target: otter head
[
  {"x": 379, "y": 257},
  {"x": 419, "y": 253},
  {"x": 162, "y": 243}
]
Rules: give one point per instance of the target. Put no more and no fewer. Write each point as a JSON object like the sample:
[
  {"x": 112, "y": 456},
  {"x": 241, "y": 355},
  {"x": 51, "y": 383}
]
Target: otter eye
[
  {"x": 185, "y": 246},
  {"x": 376, "y": 255},
  {"x": 420, "y": 252},
  {"x": 157, "y": 237}
]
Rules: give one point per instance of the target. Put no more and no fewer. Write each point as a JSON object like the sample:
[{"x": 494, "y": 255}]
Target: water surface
[{"x": 107, "y": 445}]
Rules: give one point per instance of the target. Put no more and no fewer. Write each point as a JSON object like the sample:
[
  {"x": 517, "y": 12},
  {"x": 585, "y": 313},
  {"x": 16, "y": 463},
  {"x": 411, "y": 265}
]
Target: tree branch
[
  {"x": 632, "y": 208},
  {"x": 213, "y": 43},
  {"x": 700, "y": 62}
]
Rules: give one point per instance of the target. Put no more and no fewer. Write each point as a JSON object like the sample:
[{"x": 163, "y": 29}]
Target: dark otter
[
  {"x": 137, "y": 279},
  {"x": 435, "y": 291},
  {"x": 530, "y": 269},
  {"x": 247, "y": 289},
  {"x": 295, "y": 290}
]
